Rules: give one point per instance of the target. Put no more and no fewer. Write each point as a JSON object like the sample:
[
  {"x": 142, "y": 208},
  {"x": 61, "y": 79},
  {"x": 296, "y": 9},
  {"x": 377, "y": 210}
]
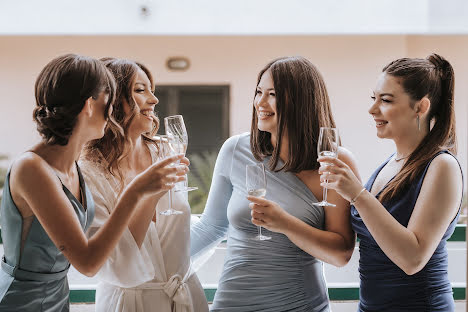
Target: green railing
[{"x": 335, "y": 294}]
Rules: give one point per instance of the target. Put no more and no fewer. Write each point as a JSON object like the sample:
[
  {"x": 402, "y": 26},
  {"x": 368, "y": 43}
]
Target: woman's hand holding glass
[
  {"x": 338, "y": 176},
  {"x": 160, "y": 176},
  {"x": 256, "y": 185},
  {"x": 165, "y": 150},
  {"x": 327, "y": 146},
  {"x": 268, "y": 214}
]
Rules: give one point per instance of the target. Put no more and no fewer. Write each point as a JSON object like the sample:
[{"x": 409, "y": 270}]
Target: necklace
[{"x": 401, "y": 158}]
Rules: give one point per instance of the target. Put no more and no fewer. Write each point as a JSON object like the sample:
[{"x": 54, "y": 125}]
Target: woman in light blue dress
[
  {"x": 284, "y": 273},
  {"x": 46, "y": 206}
]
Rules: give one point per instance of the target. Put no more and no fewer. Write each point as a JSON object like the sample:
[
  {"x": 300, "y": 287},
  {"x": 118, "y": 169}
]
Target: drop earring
[{"x": 417, "y": 120}]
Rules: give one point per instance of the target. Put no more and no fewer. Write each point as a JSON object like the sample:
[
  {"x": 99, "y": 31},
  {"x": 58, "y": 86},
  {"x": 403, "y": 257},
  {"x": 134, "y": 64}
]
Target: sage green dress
[{"x": 33, "y": 277}]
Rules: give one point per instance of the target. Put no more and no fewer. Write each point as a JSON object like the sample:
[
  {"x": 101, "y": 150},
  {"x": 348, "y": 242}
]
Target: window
[{"x": 206, "y": 116}]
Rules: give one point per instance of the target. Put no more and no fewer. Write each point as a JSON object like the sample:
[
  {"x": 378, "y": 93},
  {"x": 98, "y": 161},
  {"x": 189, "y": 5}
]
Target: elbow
[
  {"x": 413, "y": 266},
  {"x": 87, "y": 269},
  {"x": 342, "y": 258},
  {"x": 88, "y": 273}
]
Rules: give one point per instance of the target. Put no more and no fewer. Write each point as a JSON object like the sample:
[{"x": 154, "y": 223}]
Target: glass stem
[
  {"x": 325, "y": 192},
  {"x": 260, "y": 231},
  {"x": 170, "y": 200}
]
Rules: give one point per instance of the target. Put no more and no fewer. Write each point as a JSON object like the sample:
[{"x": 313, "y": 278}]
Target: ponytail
[{"x": 432, "y": 77}]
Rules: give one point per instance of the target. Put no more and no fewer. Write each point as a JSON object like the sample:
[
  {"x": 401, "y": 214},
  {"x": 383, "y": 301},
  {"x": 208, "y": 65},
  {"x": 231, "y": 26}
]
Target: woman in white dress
[{"x": 150, "y": 269}]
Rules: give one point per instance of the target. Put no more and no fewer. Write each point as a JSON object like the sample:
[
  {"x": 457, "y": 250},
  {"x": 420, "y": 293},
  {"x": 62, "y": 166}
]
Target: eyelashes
[{"x": 382, "y": 99}]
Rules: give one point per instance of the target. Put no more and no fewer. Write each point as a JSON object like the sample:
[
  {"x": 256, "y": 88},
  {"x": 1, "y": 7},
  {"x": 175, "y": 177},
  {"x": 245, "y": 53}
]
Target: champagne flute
[
  {"x": 175, "y": 127},
  {"x": 327, "y": 146},
  {"x": 165, "y": 151},
  {"x": 255, "y": 182}
]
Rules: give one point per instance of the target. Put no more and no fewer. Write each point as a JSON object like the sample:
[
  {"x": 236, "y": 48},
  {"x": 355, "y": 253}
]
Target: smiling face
[
  {"x": 145, "y": 101},
  {"x": 393, "y": 110},
  {"x": 265, "y": 104}
]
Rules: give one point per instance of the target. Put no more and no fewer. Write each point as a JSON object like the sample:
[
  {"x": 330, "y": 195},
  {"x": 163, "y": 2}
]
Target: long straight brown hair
[
  {"x": 302, "y": 107},
  {"x": 432, "y": 77},
  {"x": 112, "y": 144}
]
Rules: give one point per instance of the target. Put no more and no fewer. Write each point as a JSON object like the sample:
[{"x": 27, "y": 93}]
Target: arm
[
  {"x": 410, "y": 248},
  {"x": 127, "y": 265},
  {"x": 145, "y": 211},
  {"x": 333, "y": 245},
  {"x": 213, "y": 225},
  {"x": 54, "y": 211}
]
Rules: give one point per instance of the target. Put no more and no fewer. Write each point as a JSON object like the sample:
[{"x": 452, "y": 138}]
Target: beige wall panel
[{"x": 349, "y": 64}]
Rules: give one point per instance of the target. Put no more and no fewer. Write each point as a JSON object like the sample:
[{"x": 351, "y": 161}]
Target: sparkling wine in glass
[
  {"x": 256, "y": 186},
  {"x": 327, "y": 146},
  {"x": 175, "y": 128},
  {"x": 165, "y": 151}
]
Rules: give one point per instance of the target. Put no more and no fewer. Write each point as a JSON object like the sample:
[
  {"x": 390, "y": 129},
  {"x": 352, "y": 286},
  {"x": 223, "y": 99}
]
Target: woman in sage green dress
[{"x": 46, "y": 207}]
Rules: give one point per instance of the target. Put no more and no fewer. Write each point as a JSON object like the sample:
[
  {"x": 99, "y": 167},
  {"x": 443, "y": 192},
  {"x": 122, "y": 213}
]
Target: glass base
[
  {"x": 324, "y": 203},
  {"x": 186, "y": 189},
  {"x": 261, "y": 237},
  {"x": 170, "y": 212}
]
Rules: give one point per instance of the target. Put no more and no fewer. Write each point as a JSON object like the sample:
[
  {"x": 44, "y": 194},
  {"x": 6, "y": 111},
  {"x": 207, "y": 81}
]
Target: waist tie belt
[
  {"x": 175, "y": 288},
  {"x": 31, "y": 276}
]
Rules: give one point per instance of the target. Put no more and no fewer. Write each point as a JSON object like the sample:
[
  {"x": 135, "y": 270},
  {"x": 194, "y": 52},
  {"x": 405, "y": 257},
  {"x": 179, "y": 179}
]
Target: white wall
[{"x": 241, "y": 17}]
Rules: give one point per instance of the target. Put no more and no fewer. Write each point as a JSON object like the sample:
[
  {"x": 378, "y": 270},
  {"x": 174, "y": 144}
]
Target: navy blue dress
[{"x": 384, "y": 286}]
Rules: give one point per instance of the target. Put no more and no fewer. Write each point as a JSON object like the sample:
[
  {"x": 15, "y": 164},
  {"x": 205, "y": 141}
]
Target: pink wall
[{"x": 349, "y": 64}]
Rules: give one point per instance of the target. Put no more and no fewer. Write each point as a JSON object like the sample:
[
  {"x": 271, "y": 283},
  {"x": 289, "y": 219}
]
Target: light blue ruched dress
[{"x": 273, "y": 275}]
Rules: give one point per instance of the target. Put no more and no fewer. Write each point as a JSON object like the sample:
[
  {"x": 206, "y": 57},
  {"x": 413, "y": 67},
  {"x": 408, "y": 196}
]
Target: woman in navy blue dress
[{"x": 410, "y": 205}]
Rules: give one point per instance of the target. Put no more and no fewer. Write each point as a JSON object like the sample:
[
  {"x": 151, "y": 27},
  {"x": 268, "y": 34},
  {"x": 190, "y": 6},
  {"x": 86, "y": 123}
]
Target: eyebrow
[
  {"x": 384, "y": 94},
  {"x": 140, "y": 83},
  {"x": 266, "y": 89}
]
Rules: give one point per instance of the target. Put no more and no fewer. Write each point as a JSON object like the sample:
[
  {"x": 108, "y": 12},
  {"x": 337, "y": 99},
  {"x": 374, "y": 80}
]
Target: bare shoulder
[
  {"x": 30, "y": 166},
  {"x": 30, "y": 174},
  {"x": 444, "y": 165}
]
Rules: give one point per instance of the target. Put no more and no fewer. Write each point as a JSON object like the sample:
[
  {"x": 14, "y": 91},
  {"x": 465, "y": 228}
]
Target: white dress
[{"x": 155, "y": 277}]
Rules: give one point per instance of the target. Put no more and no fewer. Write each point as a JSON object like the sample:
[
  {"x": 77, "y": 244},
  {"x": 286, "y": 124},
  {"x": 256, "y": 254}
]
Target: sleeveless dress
[
  {"x": 384, "y": 286},
  {"x": 34, "y": 278},
  {"x": 273, "y": 275}
]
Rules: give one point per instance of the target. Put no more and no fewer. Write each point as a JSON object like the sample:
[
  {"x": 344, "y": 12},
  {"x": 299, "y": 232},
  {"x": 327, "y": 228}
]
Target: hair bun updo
[{"x": 61, "y": 90}]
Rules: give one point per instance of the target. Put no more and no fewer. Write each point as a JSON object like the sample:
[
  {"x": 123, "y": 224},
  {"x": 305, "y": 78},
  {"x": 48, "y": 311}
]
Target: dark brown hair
[
  {"x": 432, "y": 77},
  {"x": 112, "y": 144},
  {"x": 302, "y": 107},
  {"x": 61, "y": 90}
]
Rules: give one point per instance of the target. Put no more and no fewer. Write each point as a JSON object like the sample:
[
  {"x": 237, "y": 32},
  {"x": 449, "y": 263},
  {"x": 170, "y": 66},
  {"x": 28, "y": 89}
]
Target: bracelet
[{"x": 353, "y": 201}]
